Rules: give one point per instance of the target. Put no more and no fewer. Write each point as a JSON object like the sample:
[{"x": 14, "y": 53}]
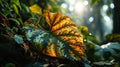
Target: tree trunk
[{"x": 116, "y": 17}]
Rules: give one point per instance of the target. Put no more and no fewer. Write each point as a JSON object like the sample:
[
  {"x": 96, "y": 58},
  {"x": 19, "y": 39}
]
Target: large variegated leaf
[
  {"x": 62, "y": 39},
  {"x": 65, "y": 29},
  {"x": 47, "y": 43}
]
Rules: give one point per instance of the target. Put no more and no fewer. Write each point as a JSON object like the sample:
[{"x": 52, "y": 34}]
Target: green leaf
[
  {"x": 16, "y": 9},
  {"x": 55, "y": 7},
  {"x": 6, "y": 12},
  {"x": 93, "y": 2},
  {"x": 84, "y": 30},
  {"x": 25, "y": 7},
  {"x": 17, "y": 3},
  {"x": 15, "y": 20},
  {"x": 20, "y": 20},
  {"x": 91, "y": 38}
]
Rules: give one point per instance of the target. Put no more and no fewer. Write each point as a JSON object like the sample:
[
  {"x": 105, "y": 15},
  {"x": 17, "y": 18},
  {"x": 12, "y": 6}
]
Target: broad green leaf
[{"x": 93, "y": 2}]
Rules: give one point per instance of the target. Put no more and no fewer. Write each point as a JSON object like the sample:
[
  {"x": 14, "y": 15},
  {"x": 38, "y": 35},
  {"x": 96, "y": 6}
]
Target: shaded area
[{"x": 116, "y": 17}]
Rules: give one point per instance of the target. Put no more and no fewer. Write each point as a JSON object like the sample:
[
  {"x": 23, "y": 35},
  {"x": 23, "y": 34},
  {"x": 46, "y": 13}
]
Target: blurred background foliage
[
  {"x": 95, "y": 14},
  {"x": 94, "y": 19}
]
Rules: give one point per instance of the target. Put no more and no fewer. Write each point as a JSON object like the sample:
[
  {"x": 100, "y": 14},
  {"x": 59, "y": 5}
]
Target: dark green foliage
[
  {"x": 10, "y": 65},
  {"x": 106, "y": 55},
  {"x": 86, "y": 34},
  {"x": 113, "y": 37}
]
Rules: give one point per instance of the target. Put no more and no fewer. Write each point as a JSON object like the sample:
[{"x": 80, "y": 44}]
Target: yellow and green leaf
[
  {"x": 62, "y": 39},
  {"x": 36, "y": 9}
]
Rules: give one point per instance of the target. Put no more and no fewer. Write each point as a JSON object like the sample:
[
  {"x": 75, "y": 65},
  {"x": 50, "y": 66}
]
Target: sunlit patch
[
  {"x": 91, "y": 19},
  {"x": 64, "y": 5},
  {"x": 112, "y": 5},
  {"x": 71, "y": 8},
  {"x": 107, "y": 18},
  {"x": 79, "y": 7},
  {"x": 72, "y": 2},
  {"x": 105, "y": 46},
  {"x": 85, "y": 3},
  {"x": 105, "y": 7}
]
